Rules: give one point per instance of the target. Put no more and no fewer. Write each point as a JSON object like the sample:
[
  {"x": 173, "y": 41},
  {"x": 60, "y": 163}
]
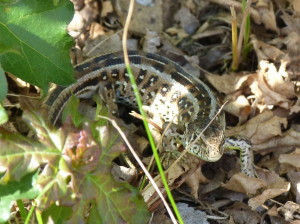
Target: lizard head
[{"x": 209, "y": 143}]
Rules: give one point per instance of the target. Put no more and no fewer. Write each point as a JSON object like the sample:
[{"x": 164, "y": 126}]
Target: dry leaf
[
  {"x": 227, "y": 83},
  {"x": 194, "y": 180},
  {"x": 266, "y": 52},
  {"x": 288, "y": 210},
  {"x": 244, "y": 184},
  {"x": 240, "y": 108},
  {"x": 276, "y": 186},
  {"x": 296, "y": 6},
  {"x": 291, "y": 158},
  {"x": 242, "y": 213},
  {"x": 260, "y": 129},
  {"x": 288, "y": 139},
  {"x": 266, "y": 11},
  {"x": 271, "y": 86},
  {"x": 294, "y": 178}
]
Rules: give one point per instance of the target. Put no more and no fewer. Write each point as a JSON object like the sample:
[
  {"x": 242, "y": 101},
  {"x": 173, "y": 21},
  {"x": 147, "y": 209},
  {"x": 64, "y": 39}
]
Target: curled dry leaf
[
  {"x": 227, "y": 83},
  {"x": 290, "y": 138},
  {"x": 265, "y": 9},
  {"x": 296, "y": 6},
  {"x": 294, "y": 178},
  {"x": 194, "y": 180},
  {"x": 260, "y": 129},
  {"x": 242, "y": 213},
  {"x": 276, "y": 186},
  {"x": 271, "y": 87},
  {"x": 244, "y": 184},
  {"x": 291, "y": 158},
  {"x": 265, "y": 51},
  {"x": 267, "y": 194},
  {"x": 292, "y": 40},
  {"x": 240, "y": 108},
  {"x": 176, "y": 174},
  {"x": 290, "y": 211}
]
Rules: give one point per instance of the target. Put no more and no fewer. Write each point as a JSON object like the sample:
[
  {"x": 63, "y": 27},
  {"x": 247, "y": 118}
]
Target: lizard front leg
[{"x": 246, "y": 153}]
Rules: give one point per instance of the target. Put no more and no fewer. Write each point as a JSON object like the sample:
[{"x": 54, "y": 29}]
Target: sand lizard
[{"x": 172, "y": 94}]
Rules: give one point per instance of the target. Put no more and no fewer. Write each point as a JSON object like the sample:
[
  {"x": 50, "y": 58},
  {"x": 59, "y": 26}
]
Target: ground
[{"x": 257, "y": 79}]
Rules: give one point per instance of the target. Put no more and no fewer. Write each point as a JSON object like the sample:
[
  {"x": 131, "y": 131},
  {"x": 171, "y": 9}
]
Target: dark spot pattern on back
[
  {"x": 115, "y": 74},
  {"x": 151, "y": 81},
  {"x": 165, "y": 88},
  {"x": 141, "y": 77}
]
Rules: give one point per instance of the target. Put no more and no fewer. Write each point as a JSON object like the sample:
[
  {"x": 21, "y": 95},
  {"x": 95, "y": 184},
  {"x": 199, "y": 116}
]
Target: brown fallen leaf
[
  {"x": 194, "y": 180},
  {"x": 296, "y": 6},
  {"x": 288, "y": 139},
  {"x": 265, "y": 9},
  {"x": 240, "y": 108},
  {"x": 242, "y": 213},
  {"x": 273, "y": 88},
  {"x": 266, "y": 51},
  {"x": 291, "y": 158},
  {"x": 244, "y": 184},
  {"x": 260, "y": 129},
  {"x": 294, "y": 178},
  {"x": 227, "y": 83},
  {"x": 290, "y": 211},
  {"x": 276, "y": 186}
]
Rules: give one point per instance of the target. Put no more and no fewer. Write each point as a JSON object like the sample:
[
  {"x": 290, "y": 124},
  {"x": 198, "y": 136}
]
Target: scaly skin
[{"x": 173, "y": 95}]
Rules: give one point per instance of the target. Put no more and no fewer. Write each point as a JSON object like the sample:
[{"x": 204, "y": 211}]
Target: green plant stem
[
  {"x": 234, "y": 37},
  {"x": 27, "y": 220},
  {"x": 39, "y": 217},
  {"x": 23, "y": 211},
  {"x": 247, "y": 30}
]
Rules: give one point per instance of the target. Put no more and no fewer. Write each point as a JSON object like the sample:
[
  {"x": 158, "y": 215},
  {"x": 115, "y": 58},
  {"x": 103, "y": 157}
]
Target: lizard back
[{"x": 175, "y": 95}]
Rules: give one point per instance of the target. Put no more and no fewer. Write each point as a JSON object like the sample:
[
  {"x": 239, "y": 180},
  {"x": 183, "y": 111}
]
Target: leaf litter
[{"x": 263, "y": 106}]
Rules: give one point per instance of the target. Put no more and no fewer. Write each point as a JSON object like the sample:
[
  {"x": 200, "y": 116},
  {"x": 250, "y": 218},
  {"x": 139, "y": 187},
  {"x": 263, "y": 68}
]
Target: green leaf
[
  {"x": 3, "y": 115},
  {"x": 3, "y": 85},
  {"x": 20, "y": 156},
  {"x": 76, "y": 171},
  {"x": 26, "y": 188},
  {"x": 57, "y": 214},
  {"x": 34, "y": 44},
  {"x": 71, "y": 109}
]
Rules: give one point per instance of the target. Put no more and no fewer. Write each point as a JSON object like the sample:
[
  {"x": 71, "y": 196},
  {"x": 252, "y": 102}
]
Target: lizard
[{"x": 174, "y": 96}]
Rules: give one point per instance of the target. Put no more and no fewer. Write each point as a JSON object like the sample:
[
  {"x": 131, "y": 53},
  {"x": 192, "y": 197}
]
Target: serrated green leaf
[
  {"x": 26, "y": 188},
  {"x": 20, "y": 156},
  {"x": 34, "y": 44},
  {"x": 76, "y": 171}
]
